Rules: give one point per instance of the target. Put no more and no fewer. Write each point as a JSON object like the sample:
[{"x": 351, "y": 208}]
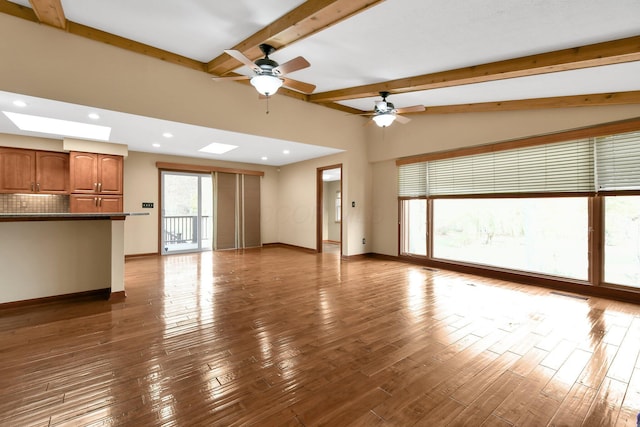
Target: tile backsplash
[{"x": 34, "y": 203}]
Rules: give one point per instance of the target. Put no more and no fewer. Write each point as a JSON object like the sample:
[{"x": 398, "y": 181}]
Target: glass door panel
[{"x": 186, "y": 212}]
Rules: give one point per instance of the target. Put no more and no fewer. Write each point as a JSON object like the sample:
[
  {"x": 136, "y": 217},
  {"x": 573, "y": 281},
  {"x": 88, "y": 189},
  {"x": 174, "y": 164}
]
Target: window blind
[
  {"x": 551, "y": 168},
  {"x": 412, "y": 180},
  {"x": 618, "y": 162}
]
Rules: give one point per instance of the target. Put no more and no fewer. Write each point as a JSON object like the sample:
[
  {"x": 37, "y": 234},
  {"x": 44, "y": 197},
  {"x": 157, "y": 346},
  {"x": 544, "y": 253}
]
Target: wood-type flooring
[{"x": 281, "y": 337}]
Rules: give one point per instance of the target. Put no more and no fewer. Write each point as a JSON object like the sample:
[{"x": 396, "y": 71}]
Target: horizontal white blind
[
  {"x": 618, "y": 162},
  {"x": 559, "y": 167},
  {"x": 412, "y": 180}
]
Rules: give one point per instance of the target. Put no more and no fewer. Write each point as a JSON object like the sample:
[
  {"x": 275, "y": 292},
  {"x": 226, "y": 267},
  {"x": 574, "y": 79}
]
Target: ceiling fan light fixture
[
  {"x": 265, "y": 84},
  {"x": 384, "y": 120}
]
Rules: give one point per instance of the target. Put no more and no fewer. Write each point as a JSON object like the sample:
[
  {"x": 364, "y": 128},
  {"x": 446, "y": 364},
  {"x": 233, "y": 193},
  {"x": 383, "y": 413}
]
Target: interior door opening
[
  {"x": 329, "y": 209},
  {"x": 187, "y": 212}
]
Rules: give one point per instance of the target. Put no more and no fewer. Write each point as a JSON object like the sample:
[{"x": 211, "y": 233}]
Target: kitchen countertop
[{"x": 66, "y": 216}]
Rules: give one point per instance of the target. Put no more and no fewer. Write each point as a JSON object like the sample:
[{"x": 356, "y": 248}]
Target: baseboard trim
[
  {"x": 288, "y": 246},
  {"x": 98, "y": 293},
  {"x": 133, "y": 256}
]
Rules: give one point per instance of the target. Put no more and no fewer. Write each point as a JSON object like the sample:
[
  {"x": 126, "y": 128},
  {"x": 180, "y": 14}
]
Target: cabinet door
[
  {"x": 83, "y": 172},
  {"x": 17, "y": 170},
  {"x": 83, "y": 204},
  {"x": 110, "y": 174},
  {"x": 52, "y": 172},
  {"x": 110, "y": 203}
]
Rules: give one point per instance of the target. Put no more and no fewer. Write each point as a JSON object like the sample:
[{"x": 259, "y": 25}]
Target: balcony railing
[{"x": 184, "y": 229}]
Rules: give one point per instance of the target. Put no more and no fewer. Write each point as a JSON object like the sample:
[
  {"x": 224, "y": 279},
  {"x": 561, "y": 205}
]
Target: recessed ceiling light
[
  {"x": 19, "y": 103},
  {"x": 217, "y": 148},
  {"x": 286, "y": 152},
  {"x": 265, "y": 158},
  {"x": 155, "y": 144},
  {"x": 59, "y": 127},
  {"x": 94, "y": 116},
  {"x": 167, "y": 135}
]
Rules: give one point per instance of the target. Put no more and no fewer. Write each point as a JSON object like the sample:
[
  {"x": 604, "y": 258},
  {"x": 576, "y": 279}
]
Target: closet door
[
  {"x": 251, "y": 211},
  {"x": 226, "y": 205}
]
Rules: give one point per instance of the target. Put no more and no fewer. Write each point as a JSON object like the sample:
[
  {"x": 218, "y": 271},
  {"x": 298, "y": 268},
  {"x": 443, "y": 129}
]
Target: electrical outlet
[
  {"x": 364, "y": 241},
  {"x": 147, "y": 205}
]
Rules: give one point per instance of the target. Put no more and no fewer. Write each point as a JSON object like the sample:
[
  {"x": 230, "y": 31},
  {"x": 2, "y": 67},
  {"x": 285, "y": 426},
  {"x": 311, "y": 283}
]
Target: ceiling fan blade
[
  {"x": 290, "y": 66},
  {"x": 240, "y": 57},
  {"x": 299, "y": 86},
  {"x": 402, "y": 119},
  {"x": 219, "y": 79},
  {"x": 413, "y": 109}
]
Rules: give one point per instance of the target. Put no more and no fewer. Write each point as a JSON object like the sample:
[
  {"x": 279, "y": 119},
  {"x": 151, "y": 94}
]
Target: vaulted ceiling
[{"x": 487, "y": 55}]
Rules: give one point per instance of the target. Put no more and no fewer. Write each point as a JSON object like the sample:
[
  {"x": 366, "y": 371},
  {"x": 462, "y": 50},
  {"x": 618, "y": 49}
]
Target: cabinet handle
[
  {"x": 99, "y": 187},
  {"x": 95, "y": 201},
  {"x": 32, "y": 187},
  {"x": 95, "y": 186},
  {"x": 100, "y": 201},
  {"x": 38, "y": 187}
]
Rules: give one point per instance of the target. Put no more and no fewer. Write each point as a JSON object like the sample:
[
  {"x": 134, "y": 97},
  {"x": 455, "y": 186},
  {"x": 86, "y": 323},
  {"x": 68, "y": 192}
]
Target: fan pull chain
[{"x": 267, "y": 104}]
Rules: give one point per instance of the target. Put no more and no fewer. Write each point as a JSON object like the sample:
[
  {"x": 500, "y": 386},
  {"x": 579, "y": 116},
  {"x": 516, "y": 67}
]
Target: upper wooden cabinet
[
  {"x": 96, "y": 173},
  {"x": 52, "y": 172},
  {"x": 31, "y": 171}
]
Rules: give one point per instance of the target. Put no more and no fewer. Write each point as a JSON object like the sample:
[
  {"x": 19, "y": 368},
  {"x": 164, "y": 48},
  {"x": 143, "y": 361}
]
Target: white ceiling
[{"x": 391, "y": 40}]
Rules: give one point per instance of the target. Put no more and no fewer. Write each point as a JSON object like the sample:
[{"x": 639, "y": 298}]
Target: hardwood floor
[{"x": 276, "y": 336}]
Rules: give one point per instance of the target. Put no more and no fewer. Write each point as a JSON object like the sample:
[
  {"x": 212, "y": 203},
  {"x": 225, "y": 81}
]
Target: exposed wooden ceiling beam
[
  {"x": 49, "y": 12},
  {"x": 131, "y": 45},
  {"x": 592, "y": 100},
  {"x": 612, "y": 52},
  {"x": 307, "y": 19},
  {"x": 18, "y": 11}
]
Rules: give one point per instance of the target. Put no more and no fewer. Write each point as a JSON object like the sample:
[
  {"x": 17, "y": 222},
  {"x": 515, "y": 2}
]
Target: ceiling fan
[
  {"x": 385, "y": 113},
  {"x": 269, "y": 75}
]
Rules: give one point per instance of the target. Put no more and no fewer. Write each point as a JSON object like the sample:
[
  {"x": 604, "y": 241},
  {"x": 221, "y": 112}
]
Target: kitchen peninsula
[
  {"x": 52, "y": 254},
  {"x": 61, "y": 219}
]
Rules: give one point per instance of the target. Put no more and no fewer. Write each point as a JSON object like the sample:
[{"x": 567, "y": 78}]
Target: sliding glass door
[{"x": 187, "y": 206}]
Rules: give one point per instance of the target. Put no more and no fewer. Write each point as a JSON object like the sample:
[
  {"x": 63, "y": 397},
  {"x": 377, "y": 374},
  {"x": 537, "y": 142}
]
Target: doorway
[
  {"x": 187, "y": 206},
  {"x": 329, "y": 209}
]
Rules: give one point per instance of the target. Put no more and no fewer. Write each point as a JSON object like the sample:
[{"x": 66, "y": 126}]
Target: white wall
[
  {"x": 46, "y": 258},
  {"x": 442, "y": 132}
]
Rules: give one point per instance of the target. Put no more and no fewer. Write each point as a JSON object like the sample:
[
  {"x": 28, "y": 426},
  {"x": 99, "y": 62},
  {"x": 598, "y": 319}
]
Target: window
[
  {"x": 538, "y": 235},
  {"x": 622, "y": 240},
  {"x": 414, "y": 227},
  {"x": 338, "y": 206},
  {"x": 538, "y": 205}
]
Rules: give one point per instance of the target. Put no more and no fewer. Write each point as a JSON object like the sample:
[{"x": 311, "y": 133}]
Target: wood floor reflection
[{"x": 280, "y": 337}]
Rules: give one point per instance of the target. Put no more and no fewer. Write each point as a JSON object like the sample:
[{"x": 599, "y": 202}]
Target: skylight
[
  {"x": 48, "y": 125},
  {"x": 218, "y": 148}
]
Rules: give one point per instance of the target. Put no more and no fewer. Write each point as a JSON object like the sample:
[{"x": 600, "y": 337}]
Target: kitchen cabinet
[
  {"x": 32, "y": 171},
  {"x": 52, "y": 172},
  {"x": 96, "y": 173},
  {"x": 86, "y": 203}
]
